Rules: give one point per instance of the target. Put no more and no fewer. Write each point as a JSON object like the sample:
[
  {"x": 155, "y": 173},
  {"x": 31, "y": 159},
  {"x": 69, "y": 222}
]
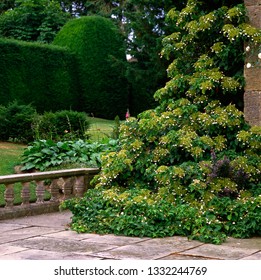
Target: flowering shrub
[{"x": 192, "y": 165}]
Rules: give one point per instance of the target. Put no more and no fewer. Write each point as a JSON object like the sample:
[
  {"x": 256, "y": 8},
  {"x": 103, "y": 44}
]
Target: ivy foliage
[{"x": 191, "y": 166}]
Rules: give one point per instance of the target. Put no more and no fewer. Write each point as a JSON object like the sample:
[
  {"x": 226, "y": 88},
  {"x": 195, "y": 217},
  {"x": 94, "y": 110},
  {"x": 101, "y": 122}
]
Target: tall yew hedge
[
  {"x": 99, "y": 46},
  {"x": 44, "y": 76}
]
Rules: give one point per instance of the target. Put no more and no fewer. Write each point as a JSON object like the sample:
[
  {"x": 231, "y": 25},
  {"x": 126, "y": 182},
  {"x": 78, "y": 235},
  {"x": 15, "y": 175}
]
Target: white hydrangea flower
[
  {"x": 249, "y": 65},
  {"x": 247, "y": 49},
  {"x": 259, "y": 55}
]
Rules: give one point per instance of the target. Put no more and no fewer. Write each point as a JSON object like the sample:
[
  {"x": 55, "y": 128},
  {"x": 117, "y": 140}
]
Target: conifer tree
[{"x": 99, "y": 47}]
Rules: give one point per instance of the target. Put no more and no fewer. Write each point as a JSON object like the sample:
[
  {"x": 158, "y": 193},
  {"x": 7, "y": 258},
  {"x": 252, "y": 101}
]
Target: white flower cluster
[{"x": 249, "y": 64}]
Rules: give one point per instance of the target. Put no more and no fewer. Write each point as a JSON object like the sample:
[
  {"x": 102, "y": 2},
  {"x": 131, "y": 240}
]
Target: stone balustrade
[{"x": 59, "y": 185}]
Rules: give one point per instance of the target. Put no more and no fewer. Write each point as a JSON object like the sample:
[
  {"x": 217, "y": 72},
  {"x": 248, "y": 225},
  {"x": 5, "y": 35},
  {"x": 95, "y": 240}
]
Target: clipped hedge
[
  {"x": 45, "y": 76},
  {"x": 99, "y": 46},
  {"x": 16, "y": 122},
  {"x": 61, "y": 125}
]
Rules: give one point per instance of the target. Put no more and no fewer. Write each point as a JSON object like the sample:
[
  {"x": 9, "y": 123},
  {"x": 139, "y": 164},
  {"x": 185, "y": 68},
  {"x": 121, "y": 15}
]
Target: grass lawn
[
  {"x": 10, "y": 154},
  {"x": 100, "y": 128}
]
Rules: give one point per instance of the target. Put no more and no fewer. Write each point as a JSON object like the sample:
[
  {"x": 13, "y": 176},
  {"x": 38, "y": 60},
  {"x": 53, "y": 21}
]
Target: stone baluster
[
  {"x": 25, "y": 193},
  {"x": 79, "y": 186},
  {"x": 88, "y": 179},
  {"x": 9, "y": 195},
  {"x": 54, "y": 190},
  {"x": 68, "y": 187},
  {"x": 40, "y": 189}
]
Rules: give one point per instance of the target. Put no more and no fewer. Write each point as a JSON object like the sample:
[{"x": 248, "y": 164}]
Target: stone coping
[{"x": 37, "y": 176}]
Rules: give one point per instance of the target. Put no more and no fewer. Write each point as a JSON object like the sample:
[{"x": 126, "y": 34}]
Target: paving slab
[
  {"x": 57, "y": 219},
  {"x": 150, "y": 249},
  {"x": 221, "y": 252},
  {"x": 4, "y": 227},
  {"x": 249, "y": 243},
  {"x": 48, "y": 237},
  {"x": 97, "y": 238},
  {"x": 67, "y": 234},
  {"x": 33, "y": 254},
  {"x": 24, "y": 233},
  {"x": 60, "y": 245},
  {"x": 10, "y": 249},
  {"x": 113, "y": 239},
  {"x": 256, "y": 256},
  {"x": 184, "y": 257}
]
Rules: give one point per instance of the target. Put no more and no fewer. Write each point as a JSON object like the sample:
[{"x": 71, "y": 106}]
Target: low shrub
[
  {"x": 16, "y": 122},
  {"x": 61, "y": 125}
]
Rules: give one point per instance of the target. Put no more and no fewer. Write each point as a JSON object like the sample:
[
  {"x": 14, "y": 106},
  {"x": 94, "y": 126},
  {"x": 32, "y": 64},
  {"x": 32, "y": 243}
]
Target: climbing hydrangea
[{"x": 190, "y": 166}]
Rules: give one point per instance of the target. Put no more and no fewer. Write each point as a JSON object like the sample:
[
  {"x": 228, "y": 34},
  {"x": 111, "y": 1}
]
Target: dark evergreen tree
[
  {"x": 75, "y": 8},
  {"x": 143, "y": 25},
  {"x": 100, "y": 49}
]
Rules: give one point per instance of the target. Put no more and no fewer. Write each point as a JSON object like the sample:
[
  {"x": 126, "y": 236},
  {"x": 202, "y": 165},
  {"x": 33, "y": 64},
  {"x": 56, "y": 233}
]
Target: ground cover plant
[
  {"x": 69, "y": 148},
  {"x": 191, "y": 166}
]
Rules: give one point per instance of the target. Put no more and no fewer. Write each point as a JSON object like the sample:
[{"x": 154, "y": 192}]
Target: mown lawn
[
  {"x": 10, "y": 155},
  {"x": 100, "y": 128}
]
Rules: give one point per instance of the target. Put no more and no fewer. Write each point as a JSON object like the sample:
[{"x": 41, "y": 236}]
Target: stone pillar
[{"x": 252, "y": 71}]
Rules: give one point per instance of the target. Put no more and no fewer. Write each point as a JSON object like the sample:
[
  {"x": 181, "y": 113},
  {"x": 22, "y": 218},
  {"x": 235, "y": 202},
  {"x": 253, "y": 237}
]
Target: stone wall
[{"x": 252, "y": 97}]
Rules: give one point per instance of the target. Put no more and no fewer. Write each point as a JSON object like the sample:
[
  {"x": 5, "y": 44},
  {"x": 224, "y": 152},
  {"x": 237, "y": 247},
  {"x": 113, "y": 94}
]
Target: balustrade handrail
[
  {"x": 60, "y": 184},
  {"x": 36, "y": 176}
]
